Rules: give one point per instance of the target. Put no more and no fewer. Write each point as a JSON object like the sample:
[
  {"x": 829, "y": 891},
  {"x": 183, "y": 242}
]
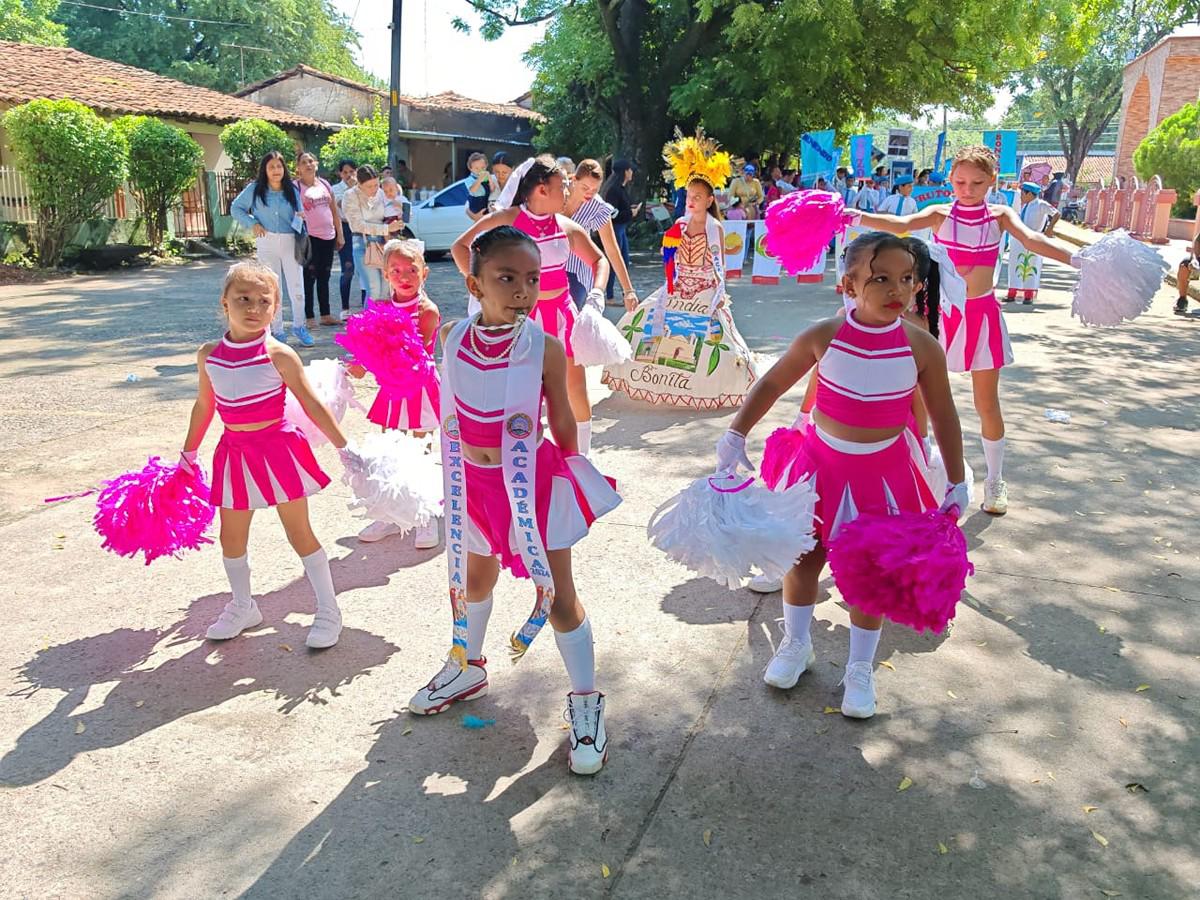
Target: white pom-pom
[
  {"x": 939, "y": 481},
  {"x": 332, "y": 386},
  {"x": 721, "y": 527},
  {"x": 395, "y": 479},
  {"x": 1118, "y": 278},
  {"x": 596, "y": 341}
]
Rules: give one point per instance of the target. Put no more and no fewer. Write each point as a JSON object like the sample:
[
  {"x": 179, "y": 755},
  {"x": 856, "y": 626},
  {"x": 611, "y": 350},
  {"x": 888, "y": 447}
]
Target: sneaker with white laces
[
  {"x": 858, "y": 702},
  {"x": 589, "y": 741},
  {"x": 427, "y": 536},
  {"x": 761, "y": 584},
  {"x": 377, "y": 531},
  {"x": 451, "y": 685},
  {"x": 233, "y": 621},
  {"x": 790, "y": 661},
  {"x": 326, "y": 628},
  {"x": 995, "y": 497},
  {"x": 301, "y": 333}
]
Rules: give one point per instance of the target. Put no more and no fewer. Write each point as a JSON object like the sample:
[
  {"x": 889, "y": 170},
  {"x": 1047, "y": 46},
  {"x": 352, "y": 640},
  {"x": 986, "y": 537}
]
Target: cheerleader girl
[
  {"x": 533, "y": 201},
  {"x": 261, "y": 460},
  {"x": 513, "y": 499},
  {"x": 415, "y": 409},
  {"x": 858, "y": 446},
  {"x": 977, "y": 342}
]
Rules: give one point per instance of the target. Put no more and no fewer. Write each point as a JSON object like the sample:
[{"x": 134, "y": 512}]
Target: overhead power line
[{"x": 134, "y": 12}]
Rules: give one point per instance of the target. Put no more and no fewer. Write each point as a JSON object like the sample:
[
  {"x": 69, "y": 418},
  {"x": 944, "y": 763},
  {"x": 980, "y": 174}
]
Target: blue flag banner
[
  {"x": 1004, "y": 145},
  {"x": 860, "y": 154},
  {"x": 816, "y": 156},
  {"x": 941, "y": 149}
]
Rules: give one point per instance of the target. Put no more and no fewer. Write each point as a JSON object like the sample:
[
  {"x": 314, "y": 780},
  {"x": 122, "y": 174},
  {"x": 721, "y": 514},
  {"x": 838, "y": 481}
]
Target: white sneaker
[
  {"x": 995, "y": 497},
  {"x": 790, "y": 661},
  {"x": 427, "y": 536},
  {"x": 761, "y": 584},
  {"x": 858, "y": 702},
  {"x": 589, "y": 740},
  {"x": 377, "y": 531},
  {"x": 233, "y": 621},
  {"x": 449, "y": 686},
  {"x": 326, "y": 629}
]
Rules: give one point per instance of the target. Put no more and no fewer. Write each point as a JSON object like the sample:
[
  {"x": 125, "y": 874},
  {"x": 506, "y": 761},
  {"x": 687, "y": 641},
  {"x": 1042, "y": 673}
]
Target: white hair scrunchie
[{"x": 505, "y": 200}]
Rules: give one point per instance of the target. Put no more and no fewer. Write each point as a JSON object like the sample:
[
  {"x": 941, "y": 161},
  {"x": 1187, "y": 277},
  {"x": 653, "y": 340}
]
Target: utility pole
[
  {"x": 242, "y": 48},
  {"x": 394, "y": 109}
]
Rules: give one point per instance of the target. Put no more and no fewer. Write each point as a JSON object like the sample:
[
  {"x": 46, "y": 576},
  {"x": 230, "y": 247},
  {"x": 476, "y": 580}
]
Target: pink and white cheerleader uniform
[
  {"x": 866, "y": 380},
  {"x": 415, "y": 406},
  {"x": 974, "y": 339},
  {"x": 556, "y": 315},
  {"x": 256, "y": 469}
]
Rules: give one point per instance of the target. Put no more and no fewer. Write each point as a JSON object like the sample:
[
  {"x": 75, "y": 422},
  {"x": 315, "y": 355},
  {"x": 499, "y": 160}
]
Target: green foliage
[
  {"x": 164, "y": 161},
  {"x": 364, "y": 140},
  {"x": 29, "y": 22},
  {"x": 248, "y": 141},
  {"x": 293, "y": 31},
  {"x": 1172, "y": 151},
  {"x": 72, "y": 160}
]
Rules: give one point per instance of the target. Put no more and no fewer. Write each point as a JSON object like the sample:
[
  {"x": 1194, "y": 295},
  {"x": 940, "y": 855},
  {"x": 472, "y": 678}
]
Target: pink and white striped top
[
  {"x": 481, "y": 387},
  {"x": 867, "y": 376},
  {"x": 553, "y": 245},
  {"x": 246, "y": 384},
  {"x": 971, "y": 235}
]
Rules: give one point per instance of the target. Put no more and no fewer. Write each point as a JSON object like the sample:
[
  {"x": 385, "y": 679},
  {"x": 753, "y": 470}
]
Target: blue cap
[
  {"x": 749, "y": 169},
  {"x": 1031, "y": 186},
  {"x": 903, "y": 180},
  {"x": 936, "y": 177}
]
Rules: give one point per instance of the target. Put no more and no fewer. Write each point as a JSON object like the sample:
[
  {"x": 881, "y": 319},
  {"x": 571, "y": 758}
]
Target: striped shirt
[
  {"x": 591, "y": 216},
  {"x": 246, "y": 384}
]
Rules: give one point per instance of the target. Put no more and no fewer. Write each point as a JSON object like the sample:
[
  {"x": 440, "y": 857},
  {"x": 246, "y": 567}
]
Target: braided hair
[
  {"x": 929, "y": 274},
  {"x": 487, "y": 242}
]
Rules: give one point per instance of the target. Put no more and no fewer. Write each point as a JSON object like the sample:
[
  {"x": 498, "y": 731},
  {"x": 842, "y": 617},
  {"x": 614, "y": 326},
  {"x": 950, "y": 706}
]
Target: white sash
[{"x": 522, "y": 419}]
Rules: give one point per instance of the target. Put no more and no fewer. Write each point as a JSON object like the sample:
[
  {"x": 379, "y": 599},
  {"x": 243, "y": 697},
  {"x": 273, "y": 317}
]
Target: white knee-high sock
[
  {"x": 797, "y": 621},
  {"x": 579, "y": 656},
  {"x": 477, "y": 623},
  {"x": 238, "y": 571},
  {"x": 993, "y": 453},
  {"x": 863, "y": 644},
  {"x": 316, "y": 567},
  {"x": 583, "y": 431}
]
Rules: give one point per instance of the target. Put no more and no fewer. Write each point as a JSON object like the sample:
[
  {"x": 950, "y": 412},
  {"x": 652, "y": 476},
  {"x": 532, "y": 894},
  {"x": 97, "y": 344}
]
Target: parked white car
[{"x": 440, "y": 219}]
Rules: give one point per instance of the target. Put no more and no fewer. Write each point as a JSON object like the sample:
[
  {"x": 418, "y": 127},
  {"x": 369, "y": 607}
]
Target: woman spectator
[
  {"x": 616, "y": 195},
  {"x": 324, "y": 235},
  {"x": 270, "y": 207},
  {"x": 594, "y": 215},
  {"x": 366, "y": 208},
  {"x": 502, "y": 167},
  {"x": 346, "y": 169}
]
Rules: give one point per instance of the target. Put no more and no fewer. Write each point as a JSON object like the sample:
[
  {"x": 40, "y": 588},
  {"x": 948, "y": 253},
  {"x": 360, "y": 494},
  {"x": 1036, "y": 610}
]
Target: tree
[
  {"x": 29, "y": 22},
  {"x": 73, "y": 161},
  {"x": 364, "y": 140},
  {"x": 192, "y": 45},
  {"x": 248, "y": 141},
  {"x": 755, "y": 74},
  {"x": 164, "y": 161},
  {"x": 1077, "y": 80},
  {"x": 1172, "y": 151}
]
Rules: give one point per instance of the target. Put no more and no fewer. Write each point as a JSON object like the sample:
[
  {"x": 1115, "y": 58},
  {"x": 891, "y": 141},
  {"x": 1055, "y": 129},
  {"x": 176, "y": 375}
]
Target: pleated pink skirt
[{"x": 258, "y": 469}]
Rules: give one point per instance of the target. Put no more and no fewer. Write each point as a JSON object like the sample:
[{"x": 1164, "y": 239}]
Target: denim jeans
[
  {"x": 346, "y": 261},
  {"x": 371, "y": 279},
  {"x": 623, "y": 245}
]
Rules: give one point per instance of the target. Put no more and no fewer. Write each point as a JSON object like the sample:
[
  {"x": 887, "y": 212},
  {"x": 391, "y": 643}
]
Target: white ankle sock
[
  {"x": 583, "y": 431},
  {"x": 579, "y": 656},
  {"x": 238, "y": 571},
  {"x": 863, "y": 644},
  {"x": 477, "y": 623},
  {"x": 993, "y": 452},
  {"x": 796, "y": 621},
  {"x": 316, "y": 567}
]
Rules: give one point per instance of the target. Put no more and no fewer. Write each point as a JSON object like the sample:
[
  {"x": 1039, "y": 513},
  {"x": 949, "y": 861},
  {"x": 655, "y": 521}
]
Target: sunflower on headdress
[{"x": 697, "y": 157}]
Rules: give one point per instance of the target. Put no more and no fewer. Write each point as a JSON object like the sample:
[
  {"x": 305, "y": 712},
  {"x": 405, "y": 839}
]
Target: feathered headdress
[{"x": 697, "y": 157}]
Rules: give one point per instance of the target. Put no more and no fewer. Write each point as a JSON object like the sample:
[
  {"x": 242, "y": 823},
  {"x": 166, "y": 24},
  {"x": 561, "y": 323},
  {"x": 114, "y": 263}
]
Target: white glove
[
  {"x": 957, "y": 499},
  {"x": 731, "y": 453},
  {"x": 348, "y": 454},
  {"x": 852, "y": 216},
  {"x": 1077, "y": 260},
  {"x": 595, "y": 299},
  {"x": 187, "y": 461}
]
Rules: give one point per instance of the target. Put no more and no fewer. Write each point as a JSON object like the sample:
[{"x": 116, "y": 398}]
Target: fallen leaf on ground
[
  {"x": 1050, "y": 775},
  {"x": 60, "y": 536},
  {"x": 1090, "y": 809},
  {"x": 707, "y": 837},
  {"x": 1136, "y": 787},
  {"x": 80, "y": 728},
  {"x": 942, "y": 848},
  {"x": 140, "y": 703},
  {"x": 1035, "y": 781},
  {"x": 1141, "y": 687},
  {"x": 905, "y": 784},
  {"x": 829, "y": 710},
  {"x": 405, "y": 731},
  {"x": 1124, "y": 724},
  {"x": 1100, "y": 839},
  {"x": 604, "y": 871},
  {"x": 285, "y": 648},
  {"x": 1009, "y": 618},
  {"x": 1111, "y": 893},
  {"x": 1102, "y": 629},
  {"x": 418, "y": 840},
  {"x": 888, "y": 665},
  {"x": 981, "y": 643},
  {"x": 952, "y": 695}
]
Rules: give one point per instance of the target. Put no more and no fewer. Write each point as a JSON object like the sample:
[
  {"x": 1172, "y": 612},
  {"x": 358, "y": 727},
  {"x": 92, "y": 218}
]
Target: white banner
[
  {"x": 735, "y": 247},
  {"x": 815, "y": 274},
  {"x": 765, "y": 268}
]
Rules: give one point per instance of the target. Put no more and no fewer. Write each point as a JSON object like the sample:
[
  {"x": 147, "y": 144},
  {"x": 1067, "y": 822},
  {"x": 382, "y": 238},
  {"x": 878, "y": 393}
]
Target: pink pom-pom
[
  {"x": 801, "y": 224},
  {"x": 779, "y": 452},
  {"x": 385, "y": 341},
  {"x": 911, "y": 568},
  {"x": 160, "y": 510}
]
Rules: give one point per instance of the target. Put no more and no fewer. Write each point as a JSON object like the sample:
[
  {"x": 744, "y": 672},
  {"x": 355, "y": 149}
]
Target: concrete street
[{"x": 1047, "y": 747}]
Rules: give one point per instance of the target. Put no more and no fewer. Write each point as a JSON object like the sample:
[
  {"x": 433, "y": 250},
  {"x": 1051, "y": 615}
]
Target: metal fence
[
  {"x": 15, "y": 205},
  {"x": 14, "y": 197}
]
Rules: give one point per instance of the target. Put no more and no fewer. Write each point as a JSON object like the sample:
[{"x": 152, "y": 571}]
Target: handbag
[
  {"x": 373, "y": 255},
  {"x": 303, "y": 249}
]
